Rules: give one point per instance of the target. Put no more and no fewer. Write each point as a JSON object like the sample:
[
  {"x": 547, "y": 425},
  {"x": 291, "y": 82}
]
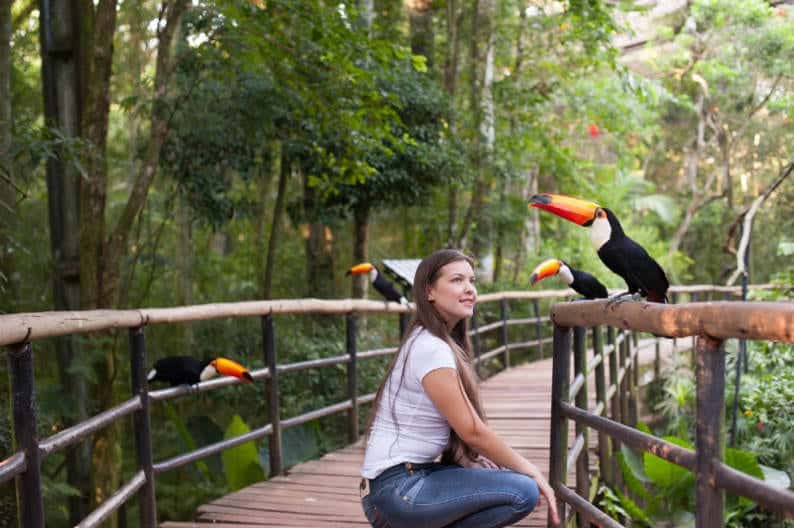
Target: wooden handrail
[
  {"x": 772, "y": 321},
  {"x": 16, "y": 328}
]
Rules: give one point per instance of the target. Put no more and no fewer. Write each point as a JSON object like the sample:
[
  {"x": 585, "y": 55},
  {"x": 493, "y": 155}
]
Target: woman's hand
[
  {"x": 479, "y": 462},
  {"x": 548, "y": 492}
]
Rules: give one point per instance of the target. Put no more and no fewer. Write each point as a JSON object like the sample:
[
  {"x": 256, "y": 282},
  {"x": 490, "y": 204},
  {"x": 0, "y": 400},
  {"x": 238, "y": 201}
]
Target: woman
[{"x": 428, "y": 406}]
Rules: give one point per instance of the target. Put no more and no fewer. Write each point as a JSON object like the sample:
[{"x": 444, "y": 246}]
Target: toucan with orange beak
[
  {"x": 379, "y": 282},
  {"x": 580, "y": 281},
  {"x": 643, "y": 275},
  {"x": 187, "y": 370}
]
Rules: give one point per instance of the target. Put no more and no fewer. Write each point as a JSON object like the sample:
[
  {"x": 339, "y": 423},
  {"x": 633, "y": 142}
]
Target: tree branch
[{"x": 747, "y": 224}]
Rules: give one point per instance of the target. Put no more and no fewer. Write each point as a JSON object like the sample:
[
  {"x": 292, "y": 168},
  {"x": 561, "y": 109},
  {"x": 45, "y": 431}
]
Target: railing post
[
  {"x": 31, "y": 505},
  {"x": 674, "y": 300},
  {"x": 693, "y": 297},
  {"x": 614, "y": 402},
  {"x": 583, "y": 461},
  {"x": 634, "y": 354},
  {"x": 476, "y": 341},
  {"x": 403, "y": 323},
  {"x": 352, "y": 378},
  {"x": 710, "y": 403},
  {"x": 505, "y": 338},
  {"x": 274, "y": 410},
  {"x": 657, "y": 359},
  {"x": 143, "y": 430},
  {"x": 623, "y": 350},
  {"x": 538, "y": 332},
  {"x": 560, "y": 382},
  {"x": 601, "y": 397}
]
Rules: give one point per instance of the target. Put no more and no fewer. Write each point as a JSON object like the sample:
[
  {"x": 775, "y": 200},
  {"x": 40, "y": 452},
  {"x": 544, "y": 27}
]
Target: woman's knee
[{"x": 526, "y": 494}]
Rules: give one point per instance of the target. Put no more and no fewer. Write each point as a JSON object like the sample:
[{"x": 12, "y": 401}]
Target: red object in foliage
[
  {"x": 759, "y": 426},
  {"x": 594, "y": 132}
]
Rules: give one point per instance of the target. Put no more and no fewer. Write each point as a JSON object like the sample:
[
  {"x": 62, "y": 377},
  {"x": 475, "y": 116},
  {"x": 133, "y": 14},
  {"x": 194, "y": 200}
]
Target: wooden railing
[
  {"x": 710, "y": 323},
  {"x": 18, "y": 332}
]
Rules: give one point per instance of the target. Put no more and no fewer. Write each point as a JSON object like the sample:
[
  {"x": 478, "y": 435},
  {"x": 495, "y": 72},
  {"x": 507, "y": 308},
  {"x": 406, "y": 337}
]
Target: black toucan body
[
  {"x": 621, "y": 254},
  {"x": 379, "y": 282},
  {"x": 180, "y": 370},
  {"x": 580, "y": 281}
]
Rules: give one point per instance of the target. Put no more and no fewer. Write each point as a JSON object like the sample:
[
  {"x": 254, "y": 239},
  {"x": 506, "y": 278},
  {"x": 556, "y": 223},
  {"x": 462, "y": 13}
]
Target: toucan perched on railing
[
  {"x": 379, "y": 282},
  {"x": 643, "y": 275},
  {"x": 187, "y": 370},
  {"x": 580, "y": 281}
]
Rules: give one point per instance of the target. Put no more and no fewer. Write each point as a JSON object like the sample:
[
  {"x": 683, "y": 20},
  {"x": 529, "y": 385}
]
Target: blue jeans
[{"x": 435, "y": 496}]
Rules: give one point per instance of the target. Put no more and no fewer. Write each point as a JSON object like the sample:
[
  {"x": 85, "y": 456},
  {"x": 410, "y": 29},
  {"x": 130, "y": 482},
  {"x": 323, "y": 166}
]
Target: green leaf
[
  {"x": 743, "y": 461},
  {"x": 241, "y": 463},
  {"x": 635, "y": 512},
  {"x": 663, "y": 473},
  {"x": 633, "y": 473}
]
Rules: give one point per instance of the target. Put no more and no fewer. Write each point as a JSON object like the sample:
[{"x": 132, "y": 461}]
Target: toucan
[
  {"x": 580, "y": 281},
  {"x": 379, "y": 282},
  {"x": 180, "y": 370},
  {"x": 643, "y": 275}
]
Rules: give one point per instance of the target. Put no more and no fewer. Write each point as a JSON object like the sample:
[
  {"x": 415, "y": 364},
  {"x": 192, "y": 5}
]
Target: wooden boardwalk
[{"x": 324, "y": 492}]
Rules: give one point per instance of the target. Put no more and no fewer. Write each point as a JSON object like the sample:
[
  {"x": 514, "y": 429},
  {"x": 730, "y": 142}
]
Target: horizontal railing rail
[{"x": 710, "y": 323}]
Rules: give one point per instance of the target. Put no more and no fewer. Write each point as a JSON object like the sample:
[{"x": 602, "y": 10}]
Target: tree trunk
[
  {"x": 115, "y": 245},
  {"x": 95, "y": 128},
  {"x": 284, "y": 168},
  {"x": 7, "y": 183},
  {"x": 420, "y": 18},
  {"x": 451, "y": 58},
  {"x": 360, "y": 250},
  {"x": 267, "y": 172},
  {"x": 319, "y": 244},
  {"x": 60, "y": 52},
  {"x": 483, "y": 122},
  {"x": 500, "y": 236},
  {"x": 530, "y": 235},
  {"x": 184, "y": 270},
  {"x": 7, "y": 224},
  {"x": 100, "y": 256}
]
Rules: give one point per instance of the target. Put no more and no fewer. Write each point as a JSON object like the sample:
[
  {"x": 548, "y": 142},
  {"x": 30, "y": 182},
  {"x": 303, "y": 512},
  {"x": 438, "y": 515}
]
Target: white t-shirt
[{"x": 420, "y": 432}]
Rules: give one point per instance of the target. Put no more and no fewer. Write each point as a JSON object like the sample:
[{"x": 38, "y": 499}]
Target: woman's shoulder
[{"x": 423, "y": 338}]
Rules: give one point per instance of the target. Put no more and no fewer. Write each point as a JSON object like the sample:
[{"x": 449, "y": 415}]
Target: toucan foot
[
  {"x": 623, "y": 297},
  {"x": 617, "y": 299}
]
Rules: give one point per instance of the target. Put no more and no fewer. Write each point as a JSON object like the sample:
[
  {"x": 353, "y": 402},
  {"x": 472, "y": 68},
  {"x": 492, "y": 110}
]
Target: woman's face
[{"x": 453, "y": 293}]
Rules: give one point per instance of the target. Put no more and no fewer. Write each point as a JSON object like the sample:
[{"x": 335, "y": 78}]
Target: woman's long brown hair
[{"x": 427, "y": 317}]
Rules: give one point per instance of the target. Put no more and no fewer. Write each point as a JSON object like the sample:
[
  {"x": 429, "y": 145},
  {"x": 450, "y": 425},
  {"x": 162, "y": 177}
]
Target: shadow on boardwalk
[{"x": 324, "y": 492}]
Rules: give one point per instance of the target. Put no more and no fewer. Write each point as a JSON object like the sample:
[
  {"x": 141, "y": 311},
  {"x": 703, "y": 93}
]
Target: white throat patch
[
  {"x": 565, "y": 274},
  {"x": 208, "y": 372},
  {"x": 373, "y": 274},
  {"x": 600, "y": 232}
]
